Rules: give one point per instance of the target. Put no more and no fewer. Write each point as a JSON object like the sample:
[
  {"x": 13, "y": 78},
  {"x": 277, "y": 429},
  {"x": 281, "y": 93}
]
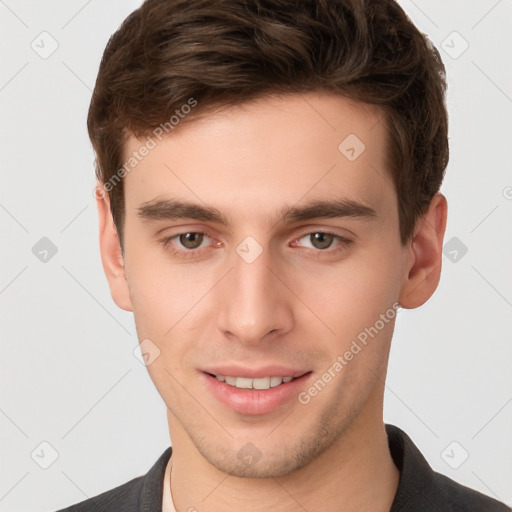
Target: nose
[{"x": 255, "y": 306}]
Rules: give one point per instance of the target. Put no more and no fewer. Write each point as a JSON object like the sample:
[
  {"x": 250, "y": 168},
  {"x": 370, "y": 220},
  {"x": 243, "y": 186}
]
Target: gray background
[{"x": 68, "y": 373}]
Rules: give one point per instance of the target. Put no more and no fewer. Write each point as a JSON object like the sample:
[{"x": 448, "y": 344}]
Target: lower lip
[{"x": 255, "y": 401}]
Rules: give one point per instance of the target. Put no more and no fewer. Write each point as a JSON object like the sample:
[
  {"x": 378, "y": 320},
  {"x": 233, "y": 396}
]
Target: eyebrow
[
  {"x": 174, "y": 209},
  {"x": 329, "y": 209}
]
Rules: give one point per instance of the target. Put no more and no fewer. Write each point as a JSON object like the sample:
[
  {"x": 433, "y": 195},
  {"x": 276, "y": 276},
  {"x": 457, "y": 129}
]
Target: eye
[
  {"x": 191, "y": 240},
  {"x": 321, "y": 240},
  {"x": 186, "y": 244}
]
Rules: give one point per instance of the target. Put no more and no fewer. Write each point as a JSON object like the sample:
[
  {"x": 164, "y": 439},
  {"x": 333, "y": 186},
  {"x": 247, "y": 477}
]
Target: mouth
[
  {"x": 255, "y": 383},
  {"x": 258, "y": 392}
]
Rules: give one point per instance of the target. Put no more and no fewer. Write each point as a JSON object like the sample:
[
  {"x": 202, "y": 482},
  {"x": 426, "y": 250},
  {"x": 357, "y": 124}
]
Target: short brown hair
[{"x": 225, "y": 52}]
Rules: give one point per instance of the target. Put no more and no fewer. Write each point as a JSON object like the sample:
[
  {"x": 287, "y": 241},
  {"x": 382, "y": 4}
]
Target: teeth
[
  {"x": 242, "y": 382},
  {"x": 275, "y": 381},
  {"x": 259, "y": 383}
]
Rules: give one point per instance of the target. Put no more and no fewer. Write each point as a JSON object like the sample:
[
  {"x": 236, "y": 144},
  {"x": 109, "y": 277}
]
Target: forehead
[{"x": 265, "y": 153}]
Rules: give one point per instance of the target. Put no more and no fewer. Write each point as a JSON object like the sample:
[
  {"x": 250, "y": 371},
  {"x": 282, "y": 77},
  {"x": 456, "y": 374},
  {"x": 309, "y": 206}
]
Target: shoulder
[
  {"x": 141, "y": 493},
  {"x": 124, "y": 498},
  {"x": 463, "y": 499},
  {"x": 422, "y": 489}
]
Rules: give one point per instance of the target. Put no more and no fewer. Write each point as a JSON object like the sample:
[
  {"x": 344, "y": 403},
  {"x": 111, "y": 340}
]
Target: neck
[{"x": 356, "y": 473}]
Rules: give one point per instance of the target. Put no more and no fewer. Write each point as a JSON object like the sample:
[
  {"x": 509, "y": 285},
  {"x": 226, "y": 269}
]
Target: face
[{"x": 261, "y": 243}]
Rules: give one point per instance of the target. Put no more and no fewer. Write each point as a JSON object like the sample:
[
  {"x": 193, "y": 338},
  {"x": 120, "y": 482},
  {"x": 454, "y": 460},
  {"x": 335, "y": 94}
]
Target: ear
[
  {"x": 111, "y": 254},
  {"x": 425, "y": 250}
]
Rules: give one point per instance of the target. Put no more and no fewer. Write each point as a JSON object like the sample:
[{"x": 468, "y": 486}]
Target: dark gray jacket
[{"x": 420, "y": 488}]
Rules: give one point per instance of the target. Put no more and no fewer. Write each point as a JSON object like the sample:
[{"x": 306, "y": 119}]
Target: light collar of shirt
[{"x": 167, "y": 502}]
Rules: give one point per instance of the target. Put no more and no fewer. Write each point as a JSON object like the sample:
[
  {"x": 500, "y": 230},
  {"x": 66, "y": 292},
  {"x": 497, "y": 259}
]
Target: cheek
[
  {"x": 359, "y": 305},
  {"x": 347, "y": 296},
  {"x": 166, "y": 296},
  {"x": 152, "y": 297},
  {"x": 350, "y": 296}
]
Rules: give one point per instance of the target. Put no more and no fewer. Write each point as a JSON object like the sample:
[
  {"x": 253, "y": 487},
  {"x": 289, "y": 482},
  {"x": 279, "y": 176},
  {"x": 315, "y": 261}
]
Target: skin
[{"x": 296, "y": 305}]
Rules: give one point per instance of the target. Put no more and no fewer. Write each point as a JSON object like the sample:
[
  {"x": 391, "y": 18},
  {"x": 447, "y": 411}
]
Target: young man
[{"x": 268, "y": 199}]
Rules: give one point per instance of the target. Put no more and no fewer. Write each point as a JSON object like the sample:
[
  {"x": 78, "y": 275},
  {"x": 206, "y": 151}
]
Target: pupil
[
  {"x": 321, "y": 240},
  {"x": 191, "y": 240}
]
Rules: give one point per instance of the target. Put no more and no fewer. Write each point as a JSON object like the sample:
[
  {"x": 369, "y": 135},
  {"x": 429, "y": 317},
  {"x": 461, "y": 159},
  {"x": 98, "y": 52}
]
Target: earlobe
[
  {"x": 111, "y": 255},
  {"x": 426, "y": 252}
]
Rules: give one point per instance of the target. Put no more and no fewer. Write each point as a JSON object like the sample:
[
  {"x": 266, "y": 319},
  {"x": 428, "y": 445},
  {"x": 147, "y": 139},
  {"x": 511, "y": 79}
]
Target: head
[{"x": 270, "y": 174}]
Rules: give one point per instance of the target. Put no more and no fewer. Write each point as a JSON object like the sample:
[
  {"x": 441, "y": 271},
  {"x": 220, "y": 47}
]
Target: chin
[{"x": 272, "y": 458}]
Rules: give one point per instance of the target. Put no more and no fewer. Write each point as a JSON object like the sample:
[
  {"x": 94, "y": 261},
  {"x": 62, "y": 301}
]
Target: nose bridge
[{"x": 253, "y": 302}]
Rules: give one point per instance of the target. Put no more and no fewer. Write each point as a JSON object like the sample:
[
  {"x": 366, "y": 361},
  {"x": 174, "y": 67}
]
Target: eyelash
[
  {"x": 184, "y": 253},
  {"x": 343, "y": 243}
]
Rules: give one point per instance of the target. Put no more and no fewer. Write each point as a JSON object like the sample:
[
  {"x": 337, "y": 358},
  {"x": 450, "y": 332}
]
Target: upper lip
[{"x": 255, "y": 373}]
